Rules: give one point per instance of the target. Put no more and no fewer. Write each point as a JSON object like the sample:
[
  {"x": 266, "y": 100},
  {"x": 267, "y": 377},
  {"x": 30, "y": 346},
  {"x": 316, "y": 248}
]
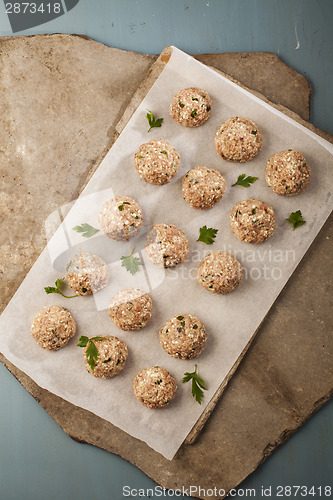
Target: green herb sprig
[
  {"x": 198, "y": 385},
  {"x": 152, "y": 121},
  {"x": 296, "y": 219},
  {"x": 131, "y": 263},
  {"x": 91, "y": 352},
  {"x": 86, "y": 229},
  {"x": 207, "y": 235},
  {"x": 245, "y": 181},
  {"x": 56, "y": 289}
]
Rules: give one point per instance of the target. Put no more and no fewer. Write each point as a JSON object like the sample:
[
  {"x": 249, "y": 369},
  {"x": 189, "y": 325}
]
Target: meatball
[
  {"x": 157, "y": 162},
  {"x": 87, "y": 273},
  {"x": 238, "y": 139},
  {"x": 287, "y": 172},
  {"x": 52, "y": 327},
  {"x": 130, "y": 309},
  {"x": 154, "y": 387},
  {"x": 191, "y": 107},
  {"x": 252, "y": 221},
  {"x": 166, "y": 245},
  {"x": 121, "y": 218},
  {"x": 111, "y": 357},
  {"x": 203, "y": 187},
  {"x": 183, "y": 336},
  {"x": 219, "y": 272}
]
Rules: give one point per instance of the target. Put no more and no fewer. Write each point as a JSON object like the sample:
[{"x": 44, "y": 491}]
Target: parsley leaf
[
  {"x": 245, "y": 181},
  {"x": 86, "y": 229},
  {"x": 92, "y": 355},
  {"x": 152, "y": 122},
  {"x": 56, "y": 289},
  {"x": 91, "y": 352},
  {"x": 296, "y": 218},
  {"x": 207, "y": 235},
  {"x": 197, "y": 384},
  {"x": 131, "y": 263},
  {"x": 83, "y": 341}
]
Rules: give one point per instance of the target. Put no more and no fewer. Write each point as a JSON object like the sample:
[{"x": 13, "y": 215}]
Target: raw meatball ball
[
  {"x": 130, "y": 309},
  {"x": 154, "y": 387},
  {"x": 191, "y": 107},
  {"x": 203, "y": 187},
  {"x": 252, "y": 221},
  {"x": 238, "y": 139},
  {"x": 183, "y": 336},
  {"x": 112, "y": 355},
  {"x": 52, "y": 327},
  {"x": 219, "y": 272},
  {"x": 166, "y": 245},
  {"x": 87, "y": 273},
  {"x": 157, "y": 162},
  {"x": 287, "y": 172},
  {"x": 121, "y": 218}
]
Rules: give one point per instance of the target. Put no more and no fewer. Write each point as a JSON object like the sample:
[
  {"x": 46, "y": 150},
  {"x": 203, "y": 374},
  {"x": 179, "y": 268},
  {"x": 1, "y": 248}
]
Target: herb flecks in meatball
[
  {"x": 191, "y": 107},
  {"x": 53, "y": 327},
  {"x": 252, "y": 221},
  {"x": 121, "y": 218},
  {"x": 219, "y": 272},
  {"x": 154, "y": 387},
  {"x": 166, "y": 245},
  {"x": 183, "y": 336},
  {"x": 288, "y": 173},
  {"x": 238, "y": 139},
  {"x": 130, "y": 309},
  {"x": 87, "y": 273},
  {"x": 157, "y": 162},
  {"x": 203, "y": 187},
  {"x": 109, "y": 359}
]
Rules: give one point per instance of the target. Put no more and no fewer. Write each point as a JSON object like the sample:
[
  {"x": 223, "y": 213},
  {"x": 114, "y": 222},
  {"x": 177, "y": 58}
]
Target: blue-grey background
[{"x": 37, "y": 459}]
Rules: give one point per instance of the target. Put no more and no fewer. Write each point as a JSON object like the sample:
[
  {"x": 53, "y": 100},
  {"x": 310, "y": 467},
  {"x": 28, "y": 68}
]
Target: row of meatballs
[
  {"x": 237, "y": 139},
  {"x": 252, "y": 221},
  {"x": 218, "y": 272},
  {"x": 157, "y": 162},
  {"x": 182, "y": 337}
]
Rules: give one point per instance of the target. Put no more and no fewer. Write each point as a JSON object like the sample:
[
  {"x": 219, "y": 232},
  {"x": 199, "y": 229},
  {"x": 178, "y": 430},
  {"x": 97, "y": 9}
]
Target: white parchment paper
[{"x": 230, "y": 320}]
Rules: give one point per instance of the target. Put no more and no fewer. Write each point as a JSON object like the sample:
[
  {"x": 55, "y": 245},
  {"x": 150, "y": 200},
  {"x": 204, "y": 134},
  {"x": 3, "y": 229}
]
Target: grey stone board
[{"x": 63, "y": 97}]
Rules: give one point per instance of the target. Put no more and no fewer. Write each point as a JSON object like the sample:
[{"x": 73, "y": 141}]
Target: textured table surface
[{"x": 94, "y": 472}]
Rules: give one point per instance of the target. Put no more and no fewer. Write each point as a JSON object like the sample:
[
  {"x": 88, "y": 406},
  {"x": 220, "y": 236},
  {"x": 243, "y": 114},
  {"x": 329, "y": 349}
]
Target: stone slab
[
  {"x": 266, "y": 73},
  {"x": 63, "y": 97}
]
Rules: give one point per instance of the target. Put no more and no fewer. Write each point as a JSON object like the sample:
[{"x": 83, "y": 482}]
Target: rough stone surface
[
  {"x": 266, "y": 73},
  {"x": 61, "y": 97},
  {"x": 57, "y": 126}
]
